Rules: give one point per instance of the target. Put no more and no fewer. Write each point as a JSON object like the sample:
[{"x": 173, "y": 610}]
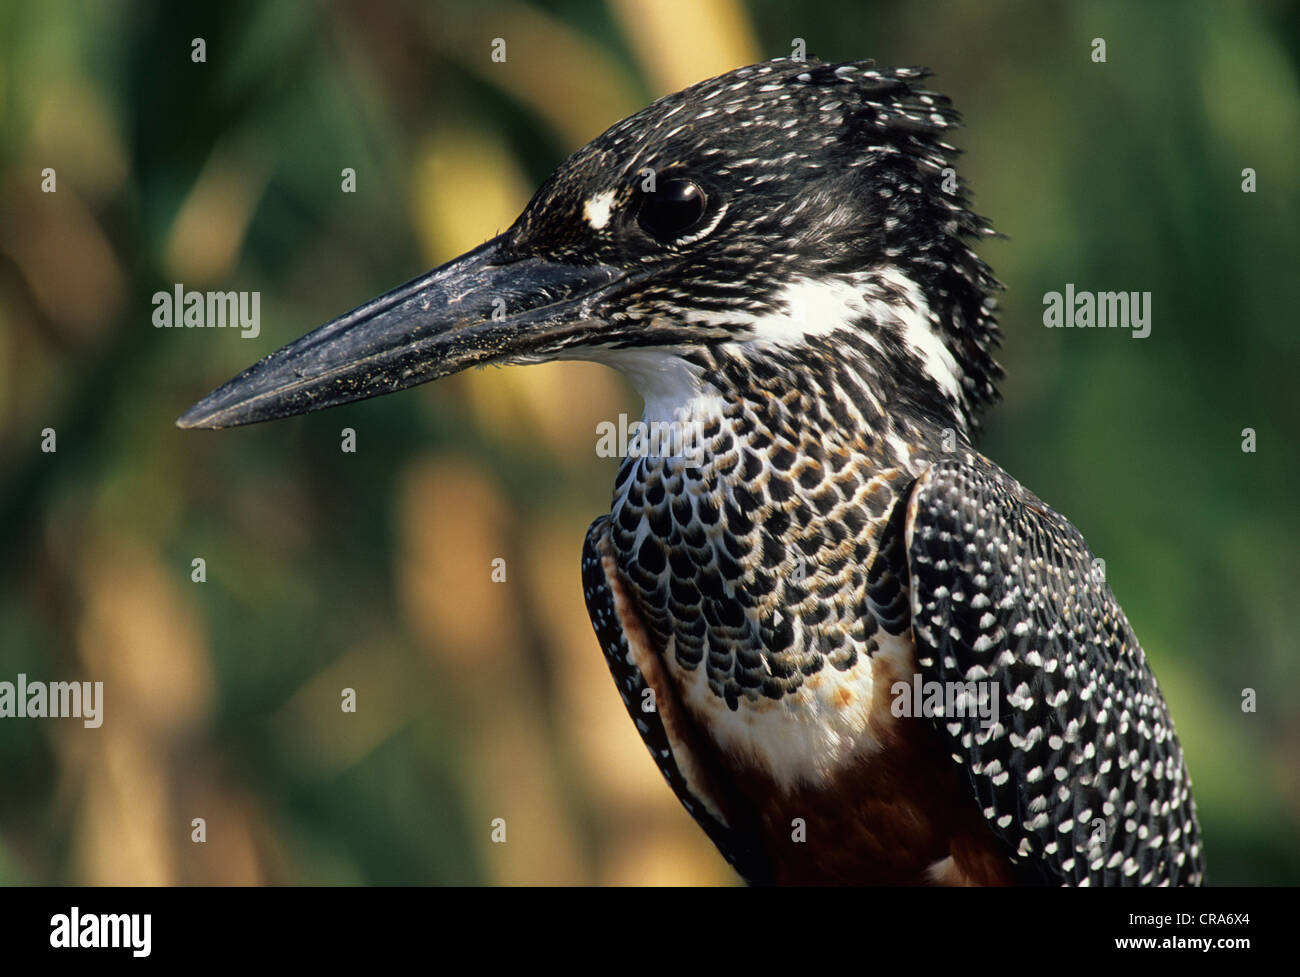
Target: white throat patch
[{"x": 670, "y": 387}]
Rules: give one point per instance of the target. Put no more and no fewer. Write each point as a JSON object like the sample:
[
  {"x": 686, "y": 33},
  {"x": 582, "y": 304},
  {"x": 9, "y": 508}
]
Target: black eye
[{"x": 672, "y": 209}]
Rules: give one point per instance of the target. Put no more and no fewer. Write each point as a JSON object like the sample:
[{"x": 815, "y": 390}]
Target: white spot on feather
[{"x": 597, "y": 209}]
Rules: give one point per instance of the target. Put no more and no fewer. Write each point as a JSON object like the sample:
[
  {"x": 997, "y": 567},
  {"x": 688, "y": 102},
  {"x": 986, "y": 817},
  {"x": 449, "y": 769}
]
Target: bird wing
[
  {"x": 1082, "y": 776},
  {"x": 652, "y": 702}
]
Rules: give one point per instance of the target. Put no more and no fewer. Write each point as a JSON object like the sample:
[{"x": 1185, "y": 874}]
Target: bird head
[{"x": 784, "y": 209}]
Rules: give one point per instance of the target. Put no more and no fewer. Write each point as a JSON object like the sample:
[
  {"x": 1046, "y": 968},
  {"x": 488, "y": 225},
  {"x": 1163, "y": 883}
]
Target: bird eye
[{"x": 671, "y": 210}]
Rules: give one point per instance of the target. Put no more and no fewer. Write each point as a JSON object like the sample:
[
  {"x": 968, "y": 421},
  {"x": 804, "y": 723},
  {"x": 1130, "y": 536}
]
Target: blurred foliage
[{"x": 328, "y": 570}]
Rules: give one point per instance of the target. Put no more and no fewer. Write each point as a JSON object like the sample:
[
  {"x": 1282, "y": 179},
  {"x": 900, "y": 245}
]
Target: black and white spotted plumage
[
  {"x": 780, "y": 259},
  {"x": 741, "y": 851},
  {"x": 1082, "y": 778},
  {"x": 840, "y": 517}
]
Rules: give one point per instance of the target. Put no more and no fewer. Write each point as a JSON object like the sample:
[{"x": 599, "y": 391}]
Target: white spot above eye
[{"x": 597, "y": 209}]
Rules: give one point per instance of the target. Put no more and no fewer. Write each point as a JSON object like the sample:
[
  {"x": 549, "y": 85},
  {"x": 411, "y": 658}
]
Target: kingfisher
[{"x": 780, "y": 260}]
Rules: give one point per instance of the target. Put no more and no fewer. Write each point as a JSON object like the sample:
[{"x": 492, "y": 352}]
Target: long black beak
[{"x": 483, "y": 307}]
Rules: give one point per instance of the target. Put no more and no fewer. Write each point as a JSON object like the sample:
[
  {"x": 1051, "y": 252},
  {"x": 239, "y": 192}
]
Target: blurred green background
[{"x": 481, "y": 700}]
